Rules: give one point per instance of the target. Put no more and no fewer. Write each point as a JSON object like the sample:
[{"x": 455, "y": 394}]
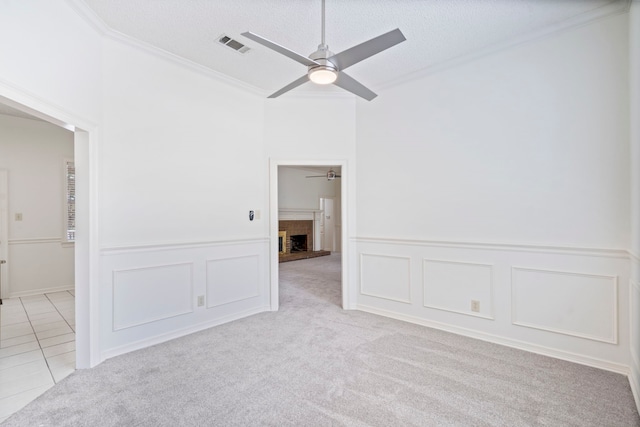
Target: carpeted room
[
  {"x": 311, "y": 363},
  {"x": 491, "y": 189}
]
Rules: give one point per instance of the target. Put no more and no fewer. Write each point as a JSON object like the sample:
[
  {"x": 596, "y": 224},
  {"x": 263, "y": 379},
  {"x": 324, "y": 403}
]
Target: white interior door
[{"x": 328, "y": 243}]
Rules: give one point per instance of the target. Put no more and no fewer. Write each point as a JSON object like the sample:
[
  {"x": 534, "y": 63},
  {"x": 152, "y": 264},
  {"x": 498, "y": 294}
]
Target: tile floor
[{"x": 37, "y": 347}]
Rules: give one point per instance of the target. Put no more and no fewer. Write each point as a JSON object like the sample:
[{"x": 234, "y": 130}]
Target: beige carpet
[{"x": 312, "y": 364}]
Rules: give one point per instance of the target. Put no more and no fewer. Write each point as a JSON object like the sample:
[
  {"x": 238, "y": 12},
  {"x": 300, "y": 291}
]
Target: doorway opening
[
  {"x": 38, "y": 227},
  {"x": 86, "y": 253},
  {"x": 294, "y": 197}
]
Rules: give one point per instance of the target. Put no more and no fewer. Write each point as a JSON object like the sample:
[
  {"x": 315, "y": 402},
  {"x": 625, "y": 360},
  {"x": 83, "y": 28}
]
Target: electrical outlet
[
  {"x": 200, "y": 300},
  {"x": 475, "y": 305}
]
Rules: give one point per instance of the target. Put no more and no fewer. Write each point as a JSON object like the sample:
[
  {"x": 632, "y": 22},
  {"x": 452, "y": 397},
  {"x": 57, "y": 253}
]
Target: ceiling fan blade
[
  {"x": 357, "y": 53},
  {"x": 352, "y": 85},
  {"x": 290, "y": 86},
  {"x": 316, "y": 176},
  {"x": 280, "y": 49}
]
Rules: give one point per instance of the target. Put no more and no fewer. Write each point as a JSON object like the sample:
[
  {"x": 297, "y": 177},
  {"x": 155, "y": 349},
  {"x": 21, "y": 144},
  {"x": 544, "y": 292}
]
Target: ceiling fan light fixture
[{"x": 323, "y": 75}]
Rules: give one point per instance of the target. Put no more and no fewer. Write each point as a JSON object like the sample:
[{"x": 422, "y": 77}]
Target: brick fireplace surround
[{"x": 297, "y": 227}]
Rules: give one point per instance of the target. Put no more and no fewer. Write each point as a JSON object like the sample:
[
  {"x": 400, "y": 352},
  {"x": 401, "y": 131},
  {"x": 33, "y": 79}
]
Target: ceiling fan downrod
[{"x": 326, "y": 72}]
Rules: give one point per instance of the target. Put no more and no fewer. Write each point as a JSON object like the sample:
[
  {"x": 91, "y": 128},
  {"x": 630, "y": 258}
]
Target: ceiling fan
[
  {"x": 325, "y": 67},
  {"x": 331, "y": 175}
]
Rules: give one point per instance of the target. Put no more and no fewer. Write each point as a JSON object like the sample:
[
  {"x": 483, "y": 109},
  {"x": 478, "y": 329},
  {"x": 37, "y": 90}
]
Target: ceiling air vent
[{"x": 233, "y": 44}]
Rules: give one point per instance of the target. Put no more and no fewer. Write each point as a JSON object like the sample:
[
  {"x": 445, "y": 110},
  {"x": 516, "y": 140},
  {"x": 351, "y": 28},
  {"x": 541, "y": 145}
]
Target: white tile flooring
[{"x": 37, "y": 347}]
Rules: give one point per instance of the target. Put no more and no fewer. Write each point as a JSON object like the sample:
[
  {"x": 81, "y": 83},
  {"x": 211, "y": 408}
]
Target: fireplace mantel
[
  {"x": 299, "y": 214},
  {"x": 287, "y": 214}
]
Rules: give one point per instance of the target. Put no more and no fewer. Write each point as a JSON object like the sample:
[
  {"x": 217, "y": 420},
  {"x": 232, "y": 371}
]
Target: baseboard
[
  {"x": 159, "y": 339},
  {"x": 634, "y": 382},
  {"x": 508, "y": 342},
  {"x": 634, "y": 379},
  {"x": 39, "y": 291}
]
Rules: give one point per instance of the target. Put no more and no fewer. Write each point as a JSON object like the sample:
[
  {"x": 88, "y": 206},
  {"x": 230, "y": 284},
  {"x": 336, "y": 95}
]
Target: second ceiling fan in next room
[
  {"x": 325, "y": 67},
  {"x": 331, "y": 175}
]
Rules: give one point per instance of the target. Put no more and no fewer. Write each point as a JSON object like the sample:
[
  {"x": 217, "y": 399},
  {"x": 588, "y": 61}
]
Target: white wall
[
  {"x": 183, "y": 162},
  {"x": 506, "y": 182},
  {"x": 33, "y": 152},
  {"x": 184, "y": 156},
  {"x": 51, "y": 53},
  {"x": 315, "y": 128},
  {"x": 634, "y": 283},
  {"x": 527, "y": 130},
  {"x": 295, "y": 191}
]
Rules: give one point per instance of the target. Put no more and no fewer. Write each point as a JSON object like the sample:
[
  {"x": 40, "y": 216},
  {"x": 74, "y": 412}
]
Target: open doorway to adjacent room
[
  {"x": 37, "y": 242},
  {"x": 307, "y": 211}
]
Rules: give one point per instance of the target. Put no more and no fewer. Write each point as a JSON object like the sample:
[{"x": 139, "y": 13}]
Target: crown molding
[
  {"x": 86, "y": 13},
  {"x": 89, "y": 16},
  {"x": 613, "y": 8},
  {"x": 616, "y": 7}
]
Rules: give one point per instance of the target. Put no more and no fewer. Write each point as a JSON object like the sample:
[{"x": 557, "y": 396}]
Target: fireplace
[
  {"x": 299, "y": 243},
  {"x": 295, "y": 236}
]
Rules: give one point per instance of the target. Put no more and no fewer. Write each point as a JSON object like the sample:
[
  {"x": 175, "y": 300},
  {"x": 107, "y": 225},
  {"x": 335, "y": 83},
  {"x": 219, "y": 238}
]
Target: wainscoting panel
[
  {"x": 582, "y": 305},
  {"x": 232, "y": 279},
  {"x": 145, "y": 295},
  {"x": 386, "y": 277},
  {"x": 564, "y": 302},
  {"x": 459, "y": 287},
  {"x": 150, "y": 294}
]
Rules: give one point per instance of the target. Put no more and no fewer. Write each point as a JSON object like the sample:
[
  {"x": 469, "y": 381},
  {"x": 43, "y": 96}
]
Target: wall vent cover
[{"x": 233, "y": 44}]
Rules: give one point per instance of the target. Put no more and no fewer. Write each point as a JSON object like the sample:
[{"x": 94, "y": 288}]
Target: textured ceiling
[{"x": 437, "y": 31}]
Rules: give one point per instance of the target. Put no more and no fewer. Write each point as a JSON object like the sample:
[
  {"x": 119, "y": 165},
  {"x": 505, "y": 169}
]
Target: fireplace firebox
[{"x": 299, "y": 243}]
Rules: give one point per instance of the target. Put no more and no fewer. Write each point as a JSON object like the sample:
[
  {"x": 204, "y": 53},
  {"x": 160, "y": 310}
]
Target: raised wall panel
[
  {"x": 385, "y": 276},
  {"x": 232, "y": 279},
  {"x": 581, "y": 305},
  {"x": 527, "y": 312},
  {"x": 453, "y": 285},
  {"x": 148, "y": 294}
]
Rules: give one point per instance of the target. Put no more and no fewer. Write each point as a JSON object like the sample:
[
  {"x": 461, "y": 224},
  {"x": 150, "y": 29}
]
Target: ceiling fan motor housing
[{"x": 326, "y": 72}]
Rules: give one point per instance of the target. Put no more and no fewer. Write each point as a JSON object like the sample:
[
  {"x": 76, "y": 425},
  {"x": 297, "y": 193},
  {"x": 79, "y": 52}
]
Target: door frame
[
  {"x": 347, "y": 214},
  {"x": 86, "y": 246}
]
